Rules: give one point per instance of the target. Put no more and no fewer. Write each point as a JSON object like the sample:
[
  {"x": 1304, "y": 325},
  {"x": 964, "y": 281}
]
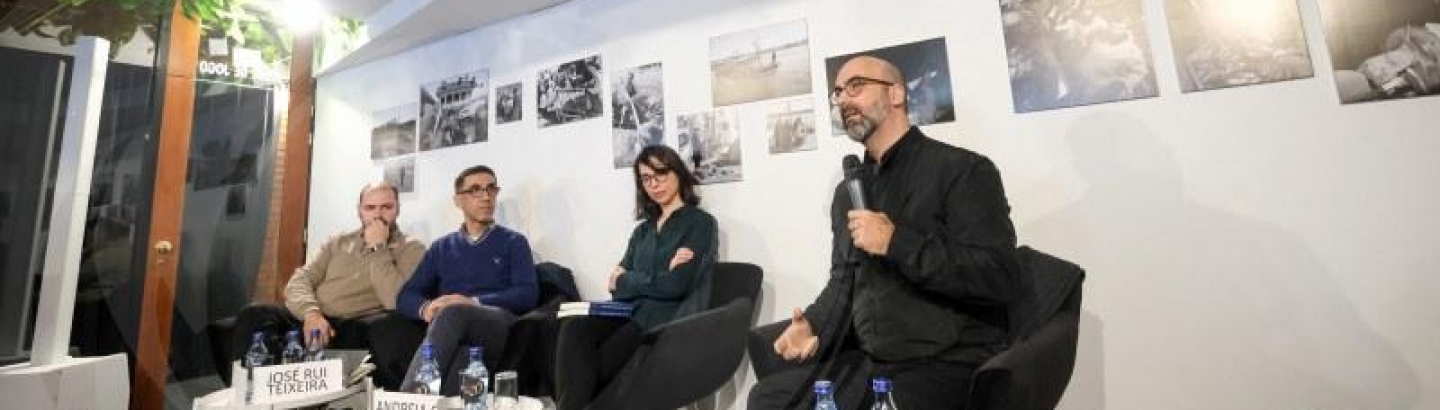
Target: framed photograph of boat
[
  {"x": 760, "y": 64},
  {"x": 455, "y": 111}
]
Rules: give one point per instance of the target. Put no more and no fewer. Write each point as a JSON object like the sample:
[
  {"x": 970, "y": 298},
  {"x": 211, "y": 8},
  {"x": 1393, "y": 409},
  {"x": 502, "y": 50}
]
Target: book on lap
[{"x": 605, "y": 308}]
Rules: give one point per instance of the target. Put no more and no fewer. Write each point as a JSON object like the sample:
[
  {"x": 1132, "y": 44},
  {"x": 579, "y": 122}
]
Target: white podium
[
  {"x": 232, "y": 399},
  {"x": 99, "y": 383}
]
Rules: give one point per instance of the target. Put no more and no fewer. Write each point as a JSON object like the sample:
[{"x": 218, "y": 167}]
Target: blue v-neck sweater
[{"x": 497, "y": 270}]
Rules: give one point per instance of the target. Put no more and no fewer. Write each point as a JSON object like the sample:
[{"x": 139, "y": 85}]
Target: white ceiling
[
  {"x": 399, "y": 25},
  {"x": 353, "y": 9}
]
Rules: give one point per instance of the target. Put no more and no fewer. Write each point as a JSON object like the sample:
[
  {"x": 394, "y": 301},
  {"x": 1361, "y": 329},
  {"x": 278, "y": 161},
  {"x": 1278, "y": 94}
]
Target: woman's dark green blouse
[{"x": 648, "y": 282}]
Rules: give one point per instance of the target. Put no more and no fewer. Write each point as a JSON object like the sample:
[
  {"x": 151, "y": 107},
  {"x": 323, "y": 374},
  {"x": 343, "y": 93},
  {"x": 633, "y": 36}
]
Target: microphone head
[{"x": 852, "y": 166}]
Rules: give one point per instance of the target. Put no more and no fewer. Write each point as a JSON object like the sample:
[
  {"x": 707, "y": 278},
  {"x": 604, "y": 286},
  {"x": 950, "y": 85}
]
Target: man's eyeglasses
[
  {"x": 853, "y": 86},
  {"x": 476, "y": 191},
  {"x": 652, "y": 179}
]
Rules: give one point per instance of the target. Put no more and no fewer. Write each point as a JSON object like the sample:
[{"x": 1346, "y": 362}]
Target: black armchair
[
  {"x": 1034, "y": 371},
  {"x": 689, "y": 358}
]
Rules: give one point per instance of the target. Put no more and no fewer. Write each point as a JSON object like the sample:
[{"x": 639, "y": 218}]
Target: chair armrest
[
  {"x": 1031, "y": 374},
  {"x": 761, "y": 346},
  {"x": 682, "y": 361}
]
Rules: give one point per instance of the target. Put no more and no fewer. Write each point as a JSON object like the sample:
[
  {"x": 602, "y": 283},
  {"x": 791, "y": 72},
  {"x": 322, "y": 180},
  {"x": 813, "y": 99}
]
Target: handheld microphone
[{"x": 854, "y": 173}]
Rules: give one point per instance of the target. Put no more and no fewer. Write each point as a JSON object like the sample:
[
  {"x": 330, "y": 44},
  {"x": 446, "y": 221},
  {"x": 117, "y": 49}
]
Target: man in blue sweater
[{"x": 471, "y": 284}]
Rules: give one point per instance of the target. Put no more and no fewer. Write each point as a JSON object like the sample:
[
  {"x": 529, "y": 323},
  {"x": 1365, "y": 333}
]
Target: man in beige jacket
[{"x": 344, "y": 295}]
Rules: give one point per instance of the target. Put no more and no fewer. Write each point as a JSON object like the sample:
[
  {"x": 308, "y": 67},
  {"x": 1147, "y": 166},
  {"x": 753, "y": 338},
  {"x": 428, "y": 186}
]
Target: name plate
[
  {"x": 297, "y": 381},
  {"x": 389, "y": 400}
]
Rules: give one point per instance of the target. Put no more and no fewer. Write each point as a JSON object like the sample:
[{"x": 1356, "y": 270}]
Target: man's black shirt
[{"x": 940, "y": 291}]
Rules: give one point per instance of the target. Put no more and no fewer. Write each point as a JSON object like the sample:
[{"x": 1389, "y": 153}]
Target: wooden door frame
[
  {"x": 167, "y": 209},
  {"x": 294, "y": 186},
  {"x": 181, "y": 48}
]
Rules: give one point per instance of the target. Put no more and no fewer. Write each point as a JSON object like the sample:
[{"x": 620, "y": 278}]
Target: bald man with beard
[{"x": 919, "y": 282}]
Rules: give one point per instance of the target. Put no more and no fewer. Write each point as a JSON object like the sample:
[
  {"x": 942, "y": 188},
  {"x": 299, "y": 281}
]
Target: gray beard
[{"x": 861, "y": 131}]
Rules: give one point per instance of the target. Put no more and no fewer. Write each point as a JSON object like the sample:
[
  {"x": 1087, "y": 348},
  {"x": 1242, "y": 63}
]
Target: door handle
[{"x": 164, "y": 247}]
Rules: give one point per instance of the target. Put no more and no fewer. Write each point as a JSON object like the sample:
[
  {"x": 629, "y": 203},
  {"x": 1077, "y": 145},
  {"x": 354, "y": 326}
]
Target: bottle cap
[
  {"x": 880, "y": 385},
  {"x": 822, "y": 387}
]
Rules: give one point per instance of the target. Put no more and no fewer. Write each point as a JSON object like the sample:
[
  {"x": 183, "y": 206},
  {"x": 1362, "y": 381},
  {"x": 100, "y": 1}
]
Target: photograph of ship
[
  {"x": 710, "y": 145},
  {"x": 1383, "y": 49},
  {"x": 637, "y": 109},
  {"x": 791, "y": 126},
  {"x": 760, "y": 64},
  {"x": 926, "y": 67},
  {"x": 569, "y": 92},
  {"x": 1066, "y": 53},
  {"x": 394, "y": 131},
  {"x": 401, "y": 172},
  {"x": 454, "y": 111},
  {"x": 507, "y": 103},
  {"x": 1228, "y": 43}
]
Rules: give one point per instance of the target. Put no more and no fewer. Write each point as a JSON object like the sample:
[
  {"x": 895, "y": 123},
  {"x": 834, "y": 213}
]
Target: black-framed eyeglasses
[
  {"x": 657, "y": 177},
  {"x": 853, "y": 86},
  {"x": 475, "y": 191}
]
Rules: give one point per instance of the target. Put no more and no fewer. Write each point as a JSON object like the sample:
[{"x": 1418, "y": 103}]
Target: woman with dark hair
[{"x": 665, "y": 273}]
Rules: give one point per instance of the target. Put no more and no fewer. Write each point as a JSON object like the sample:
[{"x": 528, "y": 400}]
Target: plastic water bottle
[
  {"x": 825, "y": 396},
  {"x": 317, "y": 350},
  {"x": 883, "y": 399},
  {"x": 427, "y": 379},
  {"x": 294, "y": 352},
  {"x": 255, "y": 357},
  {"x": 473, "y": 382}
]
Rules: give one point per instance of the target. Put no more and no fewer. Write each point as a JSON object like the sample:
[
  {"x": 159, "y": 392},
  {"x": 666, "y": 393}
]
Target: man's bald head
[
  {"x": 873, "y": 98},
  {"x": 869, "y": 66}
]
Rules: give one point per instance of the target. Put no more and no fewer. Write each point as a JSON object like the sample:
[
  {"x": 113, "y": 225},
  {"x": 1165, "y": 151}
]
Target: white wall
[{"x": 1260, "y": 247}]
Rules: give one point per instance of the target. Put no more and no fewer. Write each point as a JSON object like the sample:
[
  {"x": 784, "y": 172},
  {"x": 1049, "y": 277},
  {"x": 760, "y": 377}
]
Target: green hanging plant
[{"x": 244, "y": 22}]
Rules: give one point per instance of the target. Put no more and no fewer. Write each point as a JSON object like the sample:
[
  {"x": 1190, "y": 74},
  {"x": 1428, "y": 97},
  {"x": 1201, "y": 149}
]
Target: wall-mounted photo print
[
  {"x": 637, "y": 109},
  {"x": 1066, "y": 53},
  {"x": 455, "y": 111},
  {"x": 394, "y": 131},
  {"x": 791, "y": 126},
  {"x": 1383, "y": 49},
  {"x": 710, "y": 145},
  {"x": 760, "y": 64},
  {"x": 507, "y": 103},
  {"x": 1229, "y": 43},
  {"x": 401, "y": 172},
  {"x": 926, "y": 67},
  {"x": 569, "y": 92}
]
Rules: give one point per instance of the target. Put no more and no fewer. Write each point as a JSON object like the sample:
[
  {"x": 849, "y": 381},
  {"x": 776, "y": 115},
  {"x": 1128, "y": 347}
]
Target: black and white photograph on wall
[
  {"x": 791, "y": 126},
  {"x": 637, "y": 109},
  {"x": 507, "y": 103},
  {"x": 401, "y": 173},
  {"x": 1383, "y": 50},
  {"x": 710, "y": 144},
  {"x": 1230, "y": 43},
  {"x": 760, "y": 64},
  {"x": 1067, "y": 53},
  {"x": 926, "y": 67},
  {"x": 569, "y": 92},
  {"x": 394, "y": 131},
  {"x": 455, "y": 111}
]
